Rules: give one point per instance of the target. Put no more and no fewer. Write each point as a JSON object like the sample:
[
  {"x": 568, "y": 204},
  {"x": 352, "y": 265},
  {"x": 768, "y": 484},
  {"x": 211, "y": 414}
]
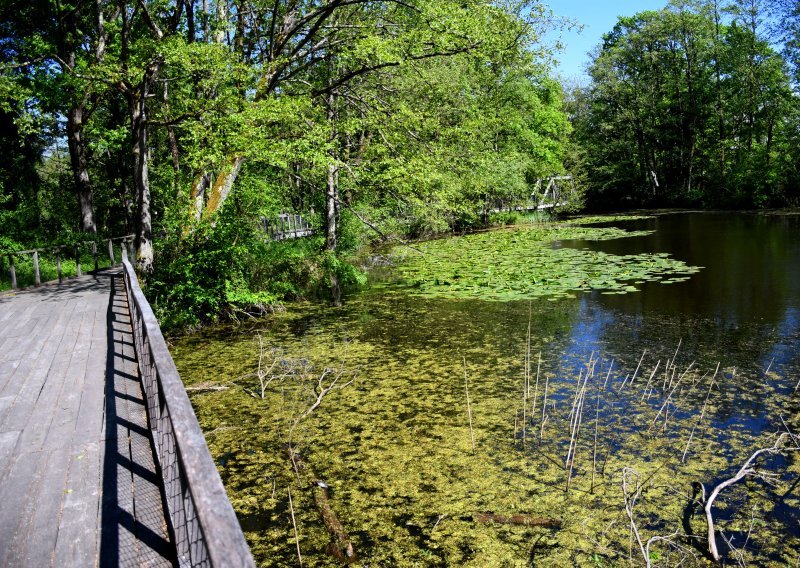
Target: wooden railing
[
  {"x": 127, "y": 241},
  {"x": 202, "y": 521}
]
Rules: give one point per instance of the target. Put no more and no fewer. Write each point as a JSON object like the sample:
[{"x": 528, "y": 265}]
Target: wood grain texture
[{"x": 78, "y": 482}]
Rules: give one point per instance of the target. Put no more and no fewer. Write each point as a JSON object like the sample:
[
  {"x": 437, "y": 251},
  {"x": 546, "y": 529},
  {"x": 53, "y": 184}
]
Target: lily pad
[{"x": 522, "y": 263}]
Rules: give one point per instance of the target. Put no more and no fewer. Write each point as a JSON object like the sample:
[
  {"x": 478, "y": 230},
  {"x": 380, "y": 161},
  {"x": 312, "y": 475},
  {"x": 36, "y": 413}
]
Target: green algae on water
[{"x": 394, "y": 447}]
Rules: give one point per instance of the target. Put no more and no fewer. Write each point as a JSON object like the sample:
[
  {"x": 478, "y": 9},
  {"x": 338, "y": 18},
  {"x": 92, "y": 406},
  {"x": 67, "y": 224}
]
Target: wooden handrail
[
  {"x": 126, "y": 239},
  {"x": 203, "y": 522}
]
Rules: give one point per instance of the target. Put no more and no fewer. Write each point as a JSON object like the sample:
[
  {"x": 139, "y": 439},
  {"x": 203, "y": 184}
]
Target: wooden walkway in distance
[{"x": 78, "y": 484}]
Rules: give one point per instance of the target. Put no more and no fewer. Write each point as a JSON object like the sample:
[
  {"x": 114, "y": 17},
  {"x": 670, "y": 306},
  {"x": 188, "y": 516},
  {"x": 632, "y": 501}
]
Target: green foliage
[
  {"x": 412, "y": 115},
  {"x": 689, "y": 105}
]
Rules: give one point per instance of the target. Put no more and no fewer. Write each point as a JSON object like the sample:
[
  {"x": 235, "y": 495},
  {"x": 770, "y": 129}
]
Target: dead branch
[
  {"x": 747, "y": 470},
  {"x": 340, "y": 546},
  {"x": 518, "y": 519},
  {"x": 322, "y": 390},
  {"x": 630, "y": 477}
]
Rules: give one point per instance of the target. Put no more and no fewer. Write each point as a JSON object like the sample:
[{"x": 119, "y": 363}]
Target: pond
[{"x": 662, "y": 351}]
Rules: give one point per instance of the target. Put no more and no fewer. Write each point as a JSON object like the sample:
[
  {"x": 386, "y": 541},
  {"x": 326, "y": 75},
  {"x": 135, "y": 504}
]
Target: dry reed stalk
[
  {"x": 294, "y": 524},
  {"x": 590, "y": 367},
  {"x": 594, "y": 450},
  {"x": 666, "y": 403},
  {"x": 544, "y": 406},
  {"x": 699, "y": 418},
  {"x": 674, "y": 357},
  {"x": 536, "y": 386},
  {"x": 647, "y": 386},
  {"x": 637, "y": 367},
  {"x": 609, "y": 373},
  {"x": 469, "y": 407},
  {"x": 526, "y": 387},
  {"x": 528, "y": 355},
  {"x": 572, "y": 414},
  {"x": 576, "y": 434},
  {"x": 524, "y": 419}
]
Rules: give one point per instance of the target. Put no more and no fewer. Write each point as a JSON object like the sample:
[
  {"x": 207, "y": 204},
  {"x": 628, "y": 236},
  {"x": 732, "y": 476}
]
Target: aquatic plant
[{"x": 523, "y": 263}]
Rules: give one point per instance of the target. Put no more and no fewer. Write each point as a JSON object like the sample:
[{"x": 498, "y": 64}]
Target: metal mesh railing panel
[{"x": 203, "y": 524}]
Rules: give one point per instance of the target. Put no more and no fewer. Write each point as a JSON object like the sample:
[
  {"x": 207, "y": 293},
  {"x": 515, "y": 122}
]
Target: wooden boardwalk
[{"x": 78, "y": 484}]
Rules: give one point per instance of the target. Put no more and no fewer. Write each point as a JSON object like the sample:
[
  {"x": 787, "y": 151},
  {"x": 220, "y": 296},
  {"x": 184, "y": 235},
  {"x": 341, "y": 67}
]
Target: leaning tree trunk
[
  {"x": 331, "y": 227},
  {"x": 222, "y": 187},
  {"x": 78, "y": 155},
  {"x": 137, "y": 102}
]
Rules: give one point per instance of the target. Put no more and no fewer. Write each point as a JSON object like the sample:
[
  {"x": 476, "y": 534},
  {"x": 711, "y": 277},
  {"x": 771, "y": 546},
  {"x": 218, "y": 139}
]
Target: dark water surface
[
  {"x": 743, "y": 308},
  {"x": 394, "y": 446}
]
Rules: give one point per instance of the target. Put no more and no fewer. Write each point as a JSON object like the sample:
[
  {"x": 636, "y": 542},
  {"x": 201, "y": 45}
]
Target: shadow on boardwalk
[
  {"x": 78, "y": 482},
  {"x": 134, "y": 531}
]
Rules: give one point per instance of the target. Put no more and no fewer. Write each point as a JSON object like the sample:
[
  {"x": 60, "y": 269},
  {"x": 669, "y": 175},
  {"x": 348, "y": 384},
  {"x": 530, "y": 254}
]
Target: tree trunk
[
  {"x": 137, "y": 102},
  {"x": 332, "y": 205},
  {"x": 80, "y": 167},
  {"x": 172, "y": 139},
  {"x": 222, "y": 186},
  {"x": 198, "y": 196}
]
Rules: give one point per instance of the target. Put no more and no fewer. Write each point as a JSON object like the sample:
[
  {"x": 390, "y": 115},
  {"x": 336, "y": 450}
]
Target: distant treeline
[{"x": 693, "y": 105}]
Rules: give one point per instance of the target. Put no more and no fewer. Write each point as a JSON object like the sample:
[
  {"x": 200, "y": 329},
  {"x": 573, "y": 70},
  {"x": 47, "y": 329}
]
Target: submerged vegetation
[{"x": 394, "y": 447}]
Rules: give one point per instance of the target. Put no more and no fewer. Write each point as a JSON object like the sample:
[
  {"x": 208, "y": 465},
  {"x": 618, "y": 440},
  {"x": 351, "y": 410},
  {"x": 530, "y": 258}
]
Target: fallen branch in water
[
  {"x": 340, "y": 546},
  {"x": 747, "y": 470},
  {"x": 521, "y": 520}
]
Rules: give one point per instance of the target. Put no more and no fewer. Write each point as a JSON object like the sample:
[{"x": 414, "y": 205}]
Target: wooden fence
[
  {"x": 72, "y": 251},
  {"x": 202, "y": 521}
]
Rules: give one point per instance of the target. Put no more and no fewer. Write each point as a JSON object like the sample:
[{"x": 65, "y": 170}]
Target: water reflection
[{"x": 751, "y": 274}]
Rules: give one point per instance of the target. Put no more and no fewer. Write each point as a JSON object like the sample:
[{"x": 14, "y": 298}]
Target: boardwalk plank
[
  {"x": 78, "y": 531},
  {"x": 17, "y": 495},
  {"x": 68, "y": 404},
  {"x": 49, "y": 412},
  {"x": 38, "y": 540},
  {"x": 78, "y": 483},
  {"x": 8, "y": 441}
]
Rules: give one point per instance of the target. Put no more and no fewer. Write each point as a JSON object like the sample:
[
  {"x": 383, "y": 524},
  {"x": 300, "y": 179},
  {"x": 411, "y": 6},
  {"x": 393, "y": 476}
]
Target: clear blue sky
[{"x": 597, "y": 17}]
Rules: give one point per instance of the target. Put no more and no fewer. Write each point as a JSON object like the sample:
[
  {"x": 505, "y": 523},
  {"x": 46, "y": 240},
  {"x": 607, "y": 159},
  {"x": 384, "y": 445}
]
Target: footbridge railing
[{"x": 203, "y": 523}]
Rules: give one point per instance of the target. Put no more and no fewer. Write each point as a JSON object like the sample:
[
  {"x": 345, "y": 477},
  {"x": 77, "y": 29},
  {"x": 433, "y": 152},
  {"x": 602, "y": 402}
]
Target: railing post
[
  {"x": 58, "y": 265},
  {"x": 37, "y": 278},
  {"x": 94, "y": 255},
  {"x": 111, "y": 253},
  {"x": 77, "y": 260},
  {"x": 131, "y": 252},
  {"x": 12, "y": 272}
]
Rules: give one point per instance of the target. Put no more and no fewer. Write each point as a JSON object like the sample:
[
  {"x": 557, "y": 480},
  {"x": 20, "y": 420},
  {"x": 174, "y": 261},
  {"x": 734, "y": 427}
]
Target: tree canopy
[{"x": 193, "y": 123}]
